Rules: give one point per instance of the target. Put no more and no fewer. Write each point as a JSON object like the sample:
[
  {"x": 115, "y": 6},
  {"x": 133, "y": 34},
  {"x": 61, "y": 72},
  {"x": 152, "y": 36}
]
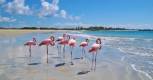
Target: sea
[{"x": 134, "y": 48}]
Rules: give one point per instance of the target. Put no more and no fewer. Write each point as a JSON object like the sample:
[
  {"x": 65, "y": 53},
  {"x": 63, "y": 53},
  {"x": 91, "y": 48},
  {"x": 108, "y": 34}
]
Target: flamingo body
[
  {"x": 45, "y": 42},
  {"x": 72, "y": 42},
  {"x": 94, "y": 47},
  {"x": 84, "y": 44},
  {"x": 63, "y": 41},
  {"x": 30, "y": 43}
]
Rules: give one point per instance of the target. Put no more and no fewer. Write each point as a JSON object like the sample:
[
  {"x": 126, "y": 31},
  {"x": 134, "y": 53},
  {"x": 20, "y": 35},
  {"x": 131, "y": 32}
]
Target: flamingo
[
  {"x": 48, "y": 42},
  {"x": 64, "y": 42},
  {"x": 72, "y": 44},
  {"x": 94, "y": 49},
  {"x": 59, "y": 39},
  {"x": 83, "y": 45},
  {"x": 30, "y": 43}
]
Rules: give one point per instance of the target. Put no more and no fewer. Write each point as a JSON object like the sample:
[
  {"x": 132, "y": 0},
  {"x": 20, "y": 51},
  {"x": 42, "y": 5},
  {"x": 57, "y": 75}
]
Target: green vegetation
[{"x": 92, "y": 28}]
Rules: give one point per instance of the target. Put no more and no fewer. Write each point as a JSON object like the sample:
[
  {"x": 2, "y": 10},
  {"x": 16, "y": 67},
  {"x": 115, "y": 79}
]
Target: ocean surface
[{"x": 134, "y": 48}]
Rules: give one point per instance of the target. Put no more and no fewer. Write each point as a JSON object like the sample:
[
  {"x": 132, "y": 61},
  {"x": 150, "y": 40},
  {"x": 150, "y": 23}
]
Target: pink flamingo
[
  {"x": 94, "y": 49},
  {"x": 72, "y": 43},
  {"x": 30, "y": 43},
  {"x": 83, "y": 45},
  {"x": 48, "y": 42},
  {"x": 64, "y": 42},
  {"x": 59, "y": 39}
]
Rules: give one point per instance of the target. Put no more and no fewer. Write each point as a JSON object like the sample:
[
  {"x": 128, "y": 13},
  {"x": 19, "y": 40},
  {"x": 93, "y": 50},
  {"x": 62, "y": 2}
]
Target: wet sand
[{"x": 16, "y": 67}]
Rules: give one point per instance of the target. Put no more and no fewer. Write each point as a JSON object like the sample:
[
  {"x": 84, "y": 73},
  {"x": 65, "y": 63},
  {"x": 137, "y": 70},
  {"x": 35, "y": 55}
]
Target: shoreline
[{"x": 17, "y": 32}]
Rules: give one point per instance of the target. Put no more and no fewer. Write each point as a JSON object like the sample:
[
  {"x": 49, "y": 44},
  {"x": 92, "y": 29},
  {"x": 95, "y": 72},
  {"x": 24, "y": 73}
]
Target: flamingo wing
[{"x": 30, "y": 43}]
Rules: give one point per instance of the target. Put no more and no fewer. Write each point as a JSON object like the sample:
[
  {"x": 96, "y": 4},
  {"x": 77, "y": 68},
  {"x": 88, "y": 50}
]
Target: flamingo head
[
  {"x": 52, "y": 38},
  {"x": 87, "y": 40},
  {"x": 68, "y": 37},
  {"x": 64, "y": 35},
  {"x": 98, "y": 41},
  {"x": 34, "y": 39}
]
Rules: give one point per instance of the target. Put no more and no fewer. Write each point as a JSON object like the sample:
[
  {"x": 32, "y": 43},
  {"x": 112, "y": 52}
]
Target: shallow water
[
  {"x": 135, "y": 48},
  {"x": 132, "y": 49}
]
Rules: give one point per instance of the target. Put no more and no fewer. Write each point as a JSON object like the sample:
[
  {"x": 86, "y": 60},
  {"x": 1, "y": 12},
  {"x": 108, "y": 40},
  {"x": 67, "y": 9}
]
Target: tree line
[{"x": 92, "y": 28}]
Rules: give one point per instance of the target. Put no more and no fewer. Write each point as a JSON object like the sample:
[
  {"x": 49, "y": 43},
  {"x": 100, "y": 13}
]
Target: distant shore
[{"x": 16, "y": 32}]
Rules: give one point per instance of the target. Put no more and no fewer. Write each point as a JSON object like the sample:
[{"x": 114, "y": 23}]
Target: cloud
[
  {"x": 63, "y": 13},
  {"x": 18, "y": 7},
  {"x": 2, "y": 1},
  {"x": 49, "y": 8},
  {"x": 53, "y": 9},
  {"x": 73, "y": 17},
  {"x": 6, "y": 19},
  {"x": 73, "y": 24}
]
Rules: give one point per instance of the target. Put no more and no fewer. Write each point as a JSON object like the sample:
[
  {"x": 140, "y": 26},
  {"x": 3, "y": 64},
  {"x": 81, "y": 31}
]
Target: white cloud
[
  {"x": 63, "y": 13},
  {"x": 18, "y": 7},
  {"x": 73, "y": 17},
  {"x": 72, "y": 24},
  {"x": 6, "y": 19},
  {"x": 52, "y": 9},
  {"x": 2, "y": 1},
  {"x": 49, "y": 8}
]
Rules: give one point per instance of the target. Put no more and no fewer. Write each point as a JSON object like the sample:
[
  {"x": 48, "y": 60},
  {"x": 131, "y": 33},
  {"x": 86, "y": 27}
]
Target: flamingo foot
[
  {"x": 71, "y": 63},
  {"x": 61, "y": 64},
  {"x": 81, "y": 57},
  {"x": 82, "y": 72}
]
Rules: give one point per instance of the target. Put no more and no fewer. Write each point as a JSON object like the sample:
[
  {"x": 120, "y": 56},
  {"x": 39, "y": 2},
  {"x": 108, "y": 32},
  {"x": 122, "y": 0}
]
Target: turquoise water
[
  {"x": 128, "y": 34},
  {"x": 134, "y": 48}
]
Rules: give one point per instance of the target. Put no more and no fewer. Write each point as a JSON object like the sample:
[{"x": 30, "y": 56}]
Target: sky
[{"x": 111, "y": 13}]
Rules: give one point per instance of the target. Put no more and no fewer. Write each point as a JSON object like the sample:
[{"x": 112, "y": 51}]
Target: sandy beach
[
  {"x": 15, "y": 32},
  {"x": 16, "y": 65},
  {"x": 16, "y": 68}
]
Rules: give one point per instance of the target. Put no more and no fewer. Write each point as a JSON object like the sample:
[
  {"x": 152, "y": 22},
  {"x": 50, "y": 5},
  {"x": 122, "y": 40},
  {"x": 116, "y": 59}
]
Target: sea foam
[{"x": 140, "y": 71}]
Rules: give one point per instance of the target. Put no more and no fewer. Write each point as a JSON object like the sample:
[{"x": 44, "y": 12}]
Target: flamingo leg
[
  {"x": 92, "y": 61},
  {"x": 84, "y": 52},
  {"x": 47, "y": 53},
  {"x": 64, "y": 52},
  {"x": 58, "y": 49},
  {"x": 95, "y": 61},
  {"x": 30, "y": 50},
  {"x": 71, "y": 55}
]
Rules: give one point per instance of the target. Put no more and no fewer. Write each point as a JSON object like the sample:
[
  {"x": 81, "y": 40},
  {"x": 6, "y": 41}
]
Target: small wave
[
  {"x": 82, "y": 35},
  {"x": 150, "y": 62},
  {"x": 136, "y": 51},
  {"x": 145, "y": 73},
  {"x": 123, "y": 58}
]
